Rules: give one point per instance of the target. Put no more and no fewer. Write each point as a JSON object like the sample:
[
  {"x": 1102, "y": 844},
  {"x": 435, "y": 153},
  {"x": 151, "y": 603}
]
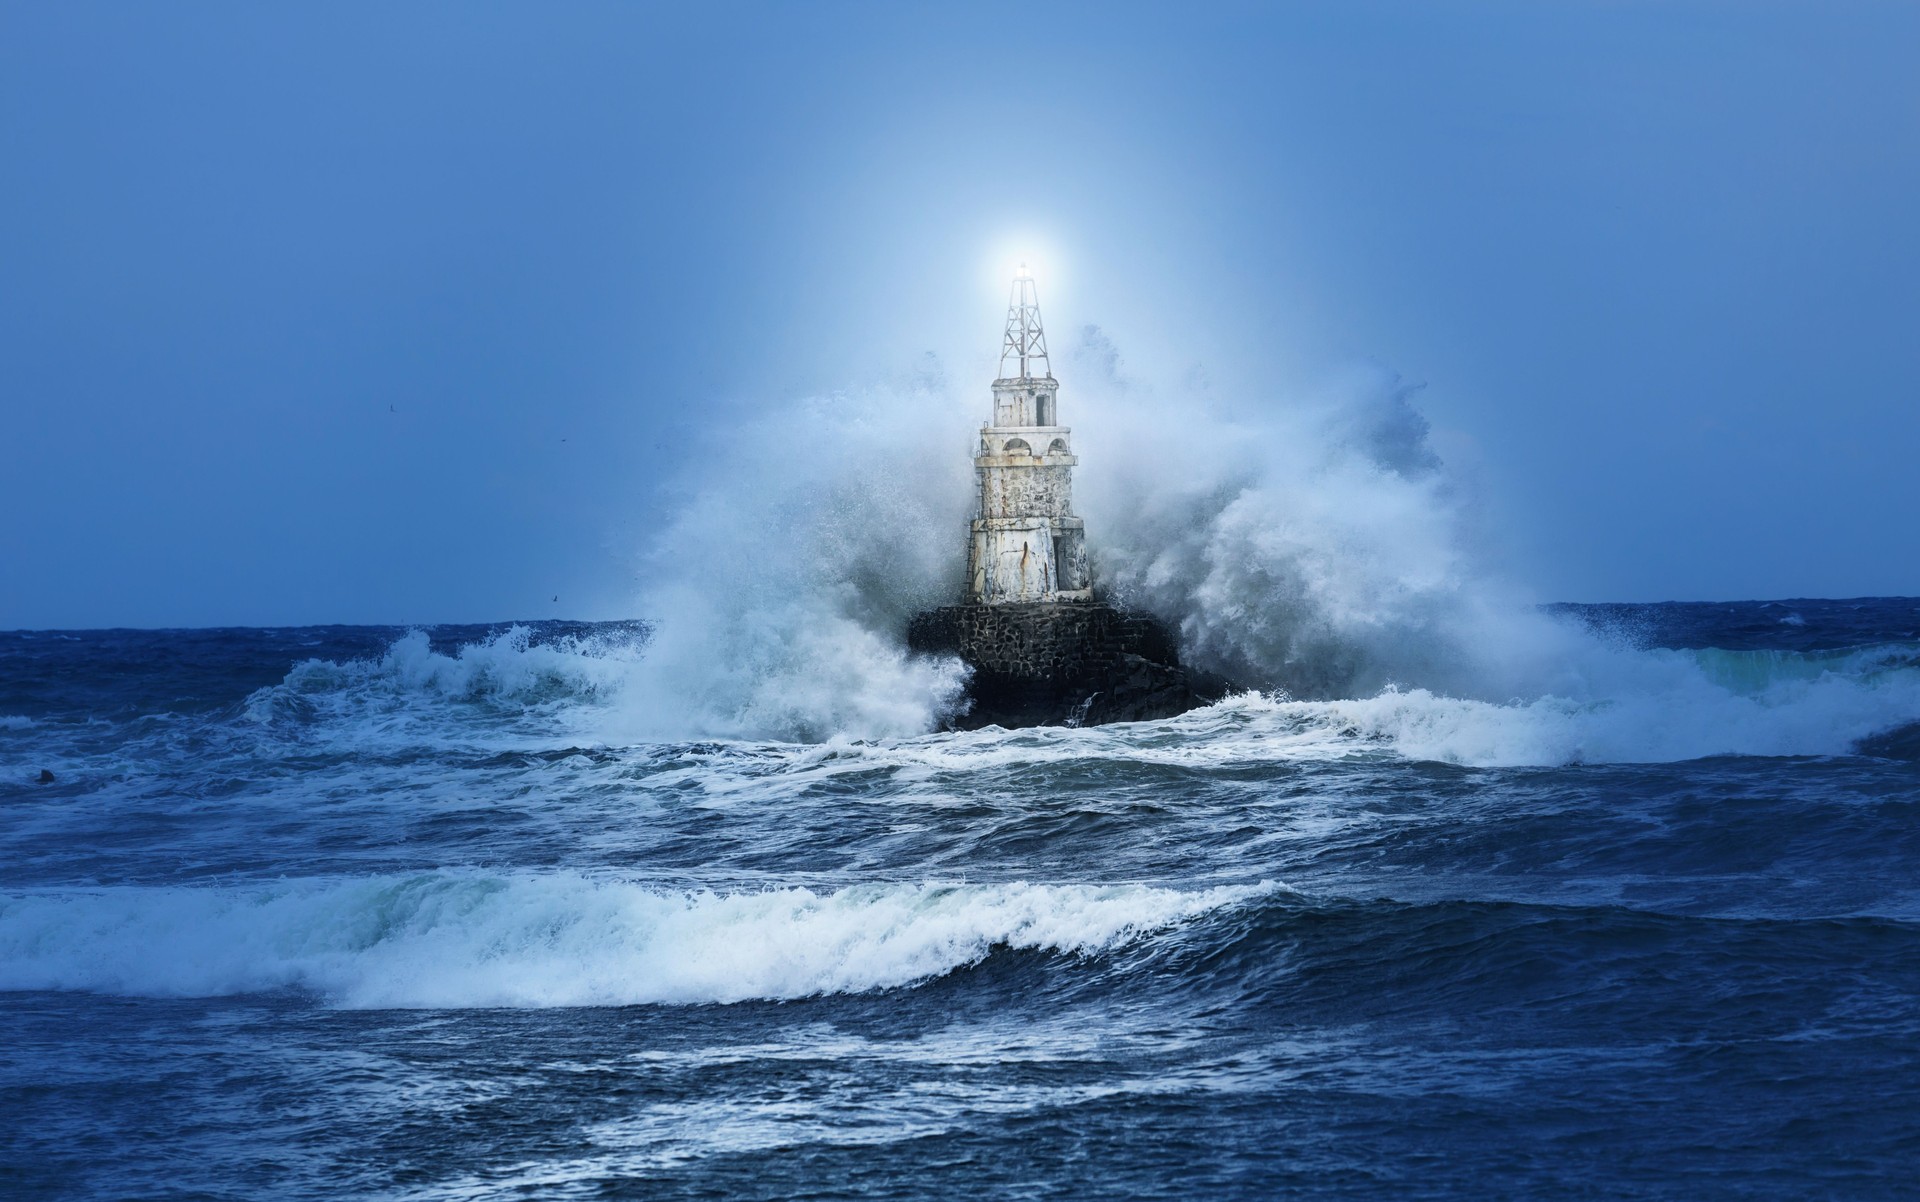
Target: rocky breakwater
[{"x": 1062, "y": 663}]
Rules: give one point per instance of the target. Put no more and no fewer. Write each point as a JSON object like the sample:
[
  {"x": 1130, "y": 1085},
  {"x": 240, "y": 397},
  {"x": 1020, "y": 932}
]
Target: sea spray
[
  {"x": 781, "y": 586},
  {"x": 1311, "y": 543}
]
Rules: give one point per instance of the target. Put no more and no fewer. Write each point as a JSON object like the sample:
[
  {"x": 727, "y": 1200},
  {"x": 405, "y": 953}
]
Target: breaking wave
[
  {"x": 509, "y": 665},
  {"x": 513, "y": 683},
  {"x": 1799, "y": 712},
  {"x": 458, "y": 940},
  {"x": 782, "y": 586}
]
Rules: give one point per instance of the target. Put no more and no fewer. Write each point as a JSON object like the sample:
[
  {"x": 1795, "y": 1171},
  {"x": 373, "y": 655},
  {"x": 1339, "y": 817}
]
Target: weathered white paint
[
  {"x": 1022, "y": 401},
  {"x": 1026, "y": 543}
]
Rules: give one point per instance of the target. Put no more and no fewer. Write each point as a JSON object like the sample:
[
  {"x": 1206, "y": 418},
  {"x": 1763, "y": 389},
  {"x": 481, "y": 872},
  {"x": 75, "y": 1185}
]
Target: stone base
[{"x": 1055, "y": 663}]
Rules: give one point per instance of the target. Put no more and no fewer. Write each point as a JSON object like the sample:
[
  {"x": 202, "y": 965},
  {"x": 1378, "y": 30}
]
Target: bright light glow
[{"x": 1021, "y": 273}]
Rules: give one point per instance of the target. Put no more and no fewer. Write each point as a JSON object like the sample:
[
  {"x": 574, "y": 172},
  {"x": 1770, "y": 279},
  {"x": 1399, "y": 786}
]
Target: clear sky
[{"x": 403, "y": 313}]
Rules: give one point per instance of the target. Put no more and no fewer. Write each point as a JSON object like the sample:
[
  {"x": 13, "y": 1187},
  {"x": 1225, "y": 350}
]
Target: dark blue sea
[{"x": 344, "y": 912}]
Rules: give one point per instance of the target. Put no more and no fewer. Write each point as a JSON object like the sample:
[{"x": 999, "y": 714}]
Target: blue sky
[{"x": 404, "y": 313}]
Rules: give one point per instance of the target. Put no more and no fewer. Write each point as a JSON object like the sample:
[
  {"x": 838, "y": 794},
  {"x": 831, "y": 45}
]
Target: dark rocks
[
  {"x": 1139, "y": 690},
  {"x": 46, "y": 777},
  {"x": 1061, "y": 663}
]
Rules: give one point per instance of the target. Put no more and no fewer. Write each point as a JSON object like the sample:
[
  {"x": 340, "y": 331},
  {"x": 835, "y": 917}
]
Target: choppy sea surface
[{"x": 364, "y": 912}]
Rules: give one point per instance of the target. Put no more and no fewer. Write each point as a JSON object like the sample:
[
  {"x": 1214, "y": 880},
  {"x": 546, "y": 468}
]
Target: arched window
[
  {"x": 1016, "y": 446},
  {"x": 1057, "y": 447}
]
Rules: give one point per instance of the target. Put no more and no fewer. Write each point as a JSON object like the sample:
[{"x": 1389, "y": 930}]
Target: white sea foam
[
  {"x": 1694, "y": 718},
  {"x": 1686, "y": 705},
  {"x": 465, "y": 940}
]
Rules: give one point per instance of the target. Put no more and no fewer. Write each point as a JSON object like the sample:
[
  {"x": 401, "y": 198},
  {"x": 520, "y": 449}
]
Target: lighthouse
[
  {"x": 1025, "y": 543},
  {"x": 1040, "y": 649}
]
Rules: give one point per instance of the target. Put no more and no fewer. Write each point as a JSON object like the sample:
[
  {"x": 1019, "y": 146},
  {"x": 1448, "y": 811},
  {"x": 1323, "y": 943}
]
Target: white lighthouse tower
[{"x": 1026, "y": 545}]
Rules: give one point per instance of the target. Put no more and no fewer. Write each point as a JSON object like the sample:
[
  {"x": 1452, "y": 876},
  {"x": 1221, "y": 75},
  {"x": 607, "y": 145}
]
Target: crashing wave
[{"x": 1317, "y": 552}]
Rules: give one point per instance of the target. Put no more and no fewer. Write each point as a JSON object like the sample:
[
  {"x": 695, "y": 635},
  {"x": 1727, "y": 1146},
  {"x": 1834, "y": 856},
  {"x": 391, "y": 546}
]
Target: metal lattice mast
[{"x": 1026, "y": 340}]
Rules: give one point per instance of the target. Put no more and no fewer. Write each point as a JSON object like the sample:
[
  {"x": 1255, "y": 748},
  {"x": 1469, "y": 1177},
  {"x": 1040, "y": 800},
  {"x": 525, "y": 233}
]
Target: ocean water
[{"x": 480, "y": 912}]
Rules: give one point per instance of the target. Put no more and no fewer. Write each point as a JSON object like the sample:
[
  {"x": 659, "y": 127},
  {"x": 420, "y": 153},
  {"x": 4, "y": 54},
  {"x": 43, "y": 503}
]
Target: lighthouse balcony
[{"x": 1021, "y": 446}]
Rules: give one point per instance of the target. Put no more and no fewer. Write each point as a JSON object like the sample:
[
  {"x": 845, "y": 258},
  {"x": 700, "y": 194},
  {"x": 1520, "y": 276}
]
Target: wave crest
[
  {"x": 549, "y": 685},
  {"x": 457, "y": 940}
]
